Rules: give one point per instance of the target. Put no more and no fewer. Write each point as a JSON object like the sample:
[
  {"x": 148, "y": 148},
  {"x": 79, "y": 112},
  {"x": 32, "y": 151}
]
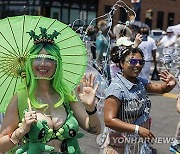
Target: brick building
[{"x": 156, "y": 13}]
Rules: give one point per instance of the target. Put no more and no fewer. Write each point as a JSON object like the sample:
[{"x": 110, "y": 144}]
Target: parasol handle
[
  {"x": 23, "y": 74},
  {"x": 29, "y": 104}
]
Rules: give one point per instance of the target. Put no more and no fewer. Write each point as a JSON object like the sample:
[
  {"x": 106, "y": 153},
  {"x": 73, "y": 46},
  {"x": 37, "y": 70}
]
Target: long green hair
[{"x": 65, "y": 94}]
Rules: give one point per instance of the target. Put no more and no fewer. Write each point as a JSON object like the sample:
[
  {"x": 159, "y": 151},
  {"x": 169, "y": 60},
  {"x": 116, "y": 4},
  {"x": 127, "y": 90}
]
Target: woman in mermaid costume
[{"x": 52, "y": 125}]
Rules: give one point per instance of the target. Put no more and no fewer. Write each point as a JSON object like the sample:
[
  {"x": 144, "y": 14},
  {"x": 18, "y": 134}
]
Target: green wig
[{"x": 65, "y": 94}]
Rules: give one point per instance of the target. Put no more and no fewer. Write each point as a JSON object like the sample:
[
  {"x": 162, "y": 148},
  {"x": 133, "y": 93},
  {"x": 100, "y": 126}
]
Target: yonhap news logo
[
  {"x": 119, "y": 140},
  {"x": 123, "y": 140}
]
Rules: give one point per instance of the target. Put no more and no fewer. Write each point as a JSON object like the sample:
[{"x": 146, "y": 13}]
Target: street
[{"x": 164, "y": 122}]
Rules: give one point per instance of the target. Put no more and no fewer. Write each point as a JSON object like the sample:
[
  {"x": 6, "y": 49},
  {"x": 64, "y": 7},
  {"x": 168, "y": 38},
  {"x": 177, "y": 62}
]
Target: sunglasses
[
  {"x": 43, "y": 58},
  {"x": 134, "y": 61}
]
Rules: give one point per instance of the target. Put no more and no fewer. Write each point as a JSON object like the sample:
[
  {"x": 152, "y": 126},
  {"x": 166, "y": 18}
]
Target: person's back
[
  {"x": 147, "y": 47},
  {"x": 101, "y": 47}
]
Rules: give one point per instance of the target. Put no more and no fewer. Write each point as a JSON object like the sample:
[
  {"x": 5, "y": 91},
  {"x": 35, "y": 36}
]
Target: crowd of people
[
  {"x": 132, "y": 54},
  {"x": 125, "y": 57},
  {"x": 164, "y": 51}
]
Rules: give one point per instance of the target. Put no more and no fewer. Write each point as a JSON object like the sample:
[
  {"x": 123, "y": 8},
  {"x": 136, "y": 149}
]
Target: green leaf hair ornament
[{"x": 43, "y": 36}]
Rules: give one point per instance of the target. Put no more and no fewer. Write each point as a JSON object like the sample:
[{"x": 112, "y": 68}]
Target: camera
[
  {"x": 144, "y": 33},
  {"x": 144, "y": 37}
]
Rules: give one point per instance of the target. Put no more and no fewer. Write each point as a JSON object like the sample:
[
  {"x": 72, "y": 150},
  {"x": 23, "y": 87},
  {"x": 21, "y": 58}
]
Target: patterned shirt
[{"x": 135, "y": 103}]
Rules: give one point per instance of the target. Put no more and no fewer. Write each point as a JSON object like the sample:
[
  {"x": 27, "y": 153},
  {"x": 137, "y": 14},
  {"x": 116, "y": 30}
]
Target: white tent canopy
[{"x": 176, "y": 29}]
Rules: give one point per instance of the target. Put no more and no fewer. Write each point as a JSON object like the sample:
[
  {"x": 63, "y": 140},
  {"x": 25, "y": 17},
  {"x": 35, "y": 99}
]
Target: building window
[
  {"x": 107, "y": 9},
  {"x": 13, "y": 8},
  {"x": 91, "y": 16},
  {"x": 65, "y": 15},
  {"x": 65, "y": 11},
  {"x": 75, "y": 10},
  {"x": 1, "y": 12},
  {"x": 55, "y": 13},
  {"x": 170, "y": 19},
  {"x": 74, "y": 14},
  {"x": 160, "y": 18},
  {"x": 122, "y": 15},
  {"x": 149, "y": 16}
]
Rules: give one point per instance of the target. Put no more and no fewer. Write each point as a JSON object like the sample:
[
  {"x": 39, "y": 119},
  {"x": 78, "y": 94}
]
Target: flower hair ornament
[
  {"x": 16, "y": 47},
  {"x": 117, "y": 52},
  {"x": 122, "y": 50}
]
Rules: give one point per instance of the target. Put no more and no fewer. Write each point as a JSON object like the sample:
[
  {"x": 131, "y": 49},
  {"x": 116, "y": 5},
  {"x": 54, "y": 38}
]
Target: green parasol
[{"x": 14, "y": 48}]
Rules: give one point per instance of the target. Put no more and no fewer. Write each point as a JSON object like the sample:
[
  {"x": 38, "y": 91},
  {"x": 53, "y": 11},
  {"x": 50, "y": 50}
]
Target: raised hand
[
  {"x": 88, "y": 91},
  {"x": 137, "y": 41},
  {"x": 28, "y": 120},
  {"x": 168, "y": 78}
]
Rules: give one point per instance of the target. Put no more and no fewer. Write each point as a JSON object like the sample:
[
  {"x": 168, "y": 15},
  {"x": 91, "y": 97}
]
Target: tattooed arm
[
  {"x": 85, "y": 110},
  {"x": 92, "y": 124},
  {"x": 89, "y": 123}
]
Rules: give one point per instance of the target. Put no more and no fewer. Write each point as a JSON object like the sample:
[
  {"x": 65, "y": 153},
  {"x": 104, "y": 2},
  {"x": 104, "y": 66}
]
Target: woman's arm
[
  {"x": 87, "y": 104},
  {"x": 10, "y": 133},
  {"x": 89, "y": 123},
  {"x": 111, "y": 120},
  {"x": 9, "y": 125}
]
